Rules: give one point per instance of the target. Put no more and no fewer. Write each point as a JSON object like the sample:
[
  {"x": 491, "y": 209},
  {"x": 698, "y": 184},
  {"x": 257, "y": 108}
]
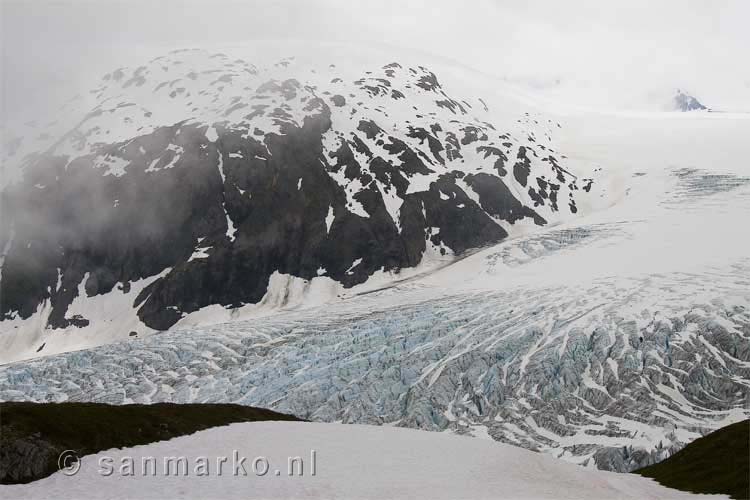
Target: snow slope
[{"x": 350, "y": 462}]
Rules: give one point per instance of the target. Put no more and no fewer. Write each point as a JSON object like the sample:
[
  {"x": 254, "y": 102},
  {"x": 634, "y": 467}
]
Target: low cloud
[{"x": 615, "y": 53}]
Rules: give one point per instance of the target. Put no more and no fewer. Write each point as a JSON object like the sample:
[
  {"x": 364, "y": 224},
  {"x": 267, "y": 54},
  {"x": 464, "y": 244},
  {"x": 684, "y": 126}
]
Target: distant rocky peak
[{"x": 686, "y": 102}]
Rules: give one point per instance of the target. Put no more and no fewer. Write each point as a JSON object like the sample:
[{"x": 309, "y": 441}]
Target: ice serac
[{"x": 206, "y": 175}]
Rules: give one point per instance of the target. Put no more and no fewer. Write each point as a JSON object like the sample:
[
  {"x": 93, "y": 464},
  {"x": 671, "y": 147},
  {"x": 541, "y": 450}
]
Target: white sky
[{"x": 600, "y": 53}]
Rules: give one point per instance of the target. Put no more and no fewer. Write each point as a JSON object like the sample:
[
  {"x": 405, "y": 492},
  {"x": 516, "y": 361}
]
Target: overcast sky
[{"x": 586, "y": 51}]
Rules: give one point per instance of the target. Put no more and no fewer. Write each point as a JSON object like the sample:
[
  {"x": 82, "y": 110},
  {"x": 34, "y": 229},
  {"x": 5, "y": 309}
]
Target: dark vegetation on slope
[
  {"x": 32, "y": 435},
  {"x": 716, "y": 463}
]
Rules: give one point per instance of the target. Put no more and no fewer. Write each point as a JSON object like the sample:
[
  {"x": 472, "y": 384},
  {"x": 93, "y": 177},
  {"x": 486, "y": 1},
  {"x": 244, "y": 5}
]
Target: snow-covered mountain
[
  {"x": 200, "y": 180},
  {"x": 608, "y": 337},
  {"x": 335, "y": 461}
]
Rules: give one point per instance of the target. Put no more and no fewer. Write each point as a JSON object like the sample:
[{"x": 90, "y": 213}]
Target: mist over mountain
[{"x": 596, "y": 55}]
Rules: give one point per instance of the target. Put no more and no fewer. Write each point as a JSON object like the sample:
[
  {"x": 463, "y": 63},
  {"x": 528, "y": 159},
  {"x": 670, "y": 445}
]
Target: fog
[{"x": 586, "y": 52}]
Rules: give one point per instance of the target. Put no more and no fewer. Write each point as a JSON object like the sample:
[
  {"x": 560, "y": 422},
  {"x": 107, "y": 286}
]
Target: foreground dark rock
[
  {"x": 718, "y": 463},
  {"x": 32, "y": 435}
]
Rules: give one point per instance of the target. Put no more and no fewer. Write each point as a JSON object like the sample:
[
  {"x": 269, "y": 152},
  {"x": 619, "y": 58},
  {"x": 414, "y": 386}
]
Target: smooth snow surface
[{"x": 351, "y": 461}]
